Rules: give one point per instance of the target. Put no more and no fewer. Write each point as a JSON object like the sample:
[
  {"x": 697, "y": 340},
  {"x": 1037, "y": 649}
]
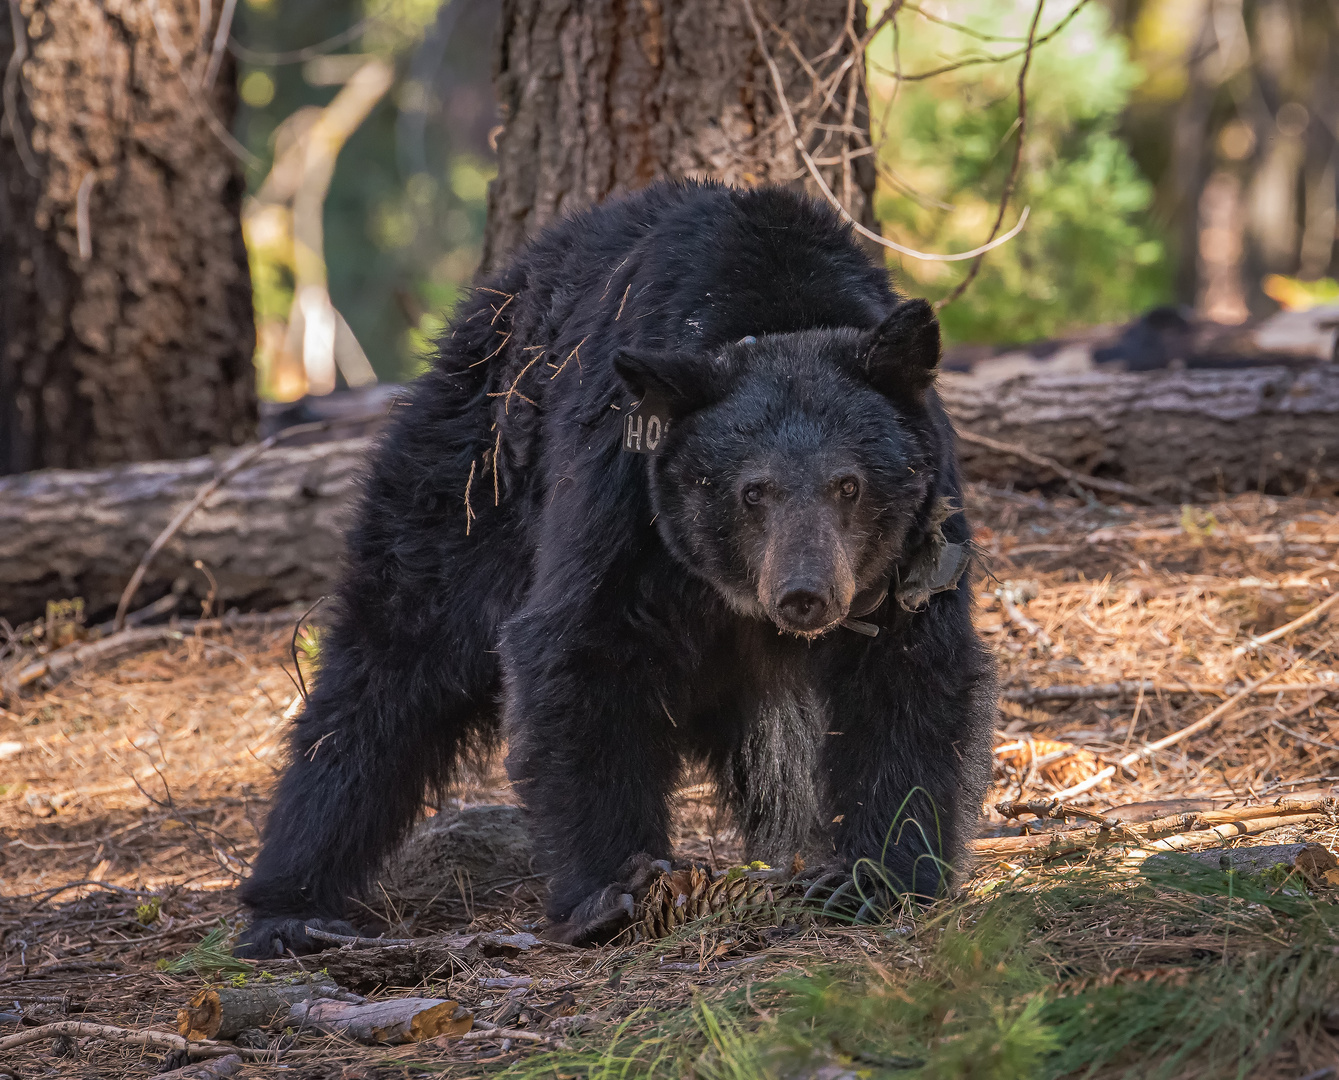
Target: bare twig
[
  {"x": 484, "y": 1031},
  {"x": 1014, "y": 165},
  {"x": 1283, "y": 631},
  {"x": 220, "y": 41},
  {"x": 1102, "y": 691},
  {"x": 13, "y": 69},
  {"x": 82, "y": 224},
  {"x": 1210, "y": 718},
  {"x": 239, "y": 461},
  {"x": 779, "y": 85},
  {"x": 202, "y": 107},
  {"x": 72, "y": 657},
  {"x": 309, "y": 52},
  {"x": 976, "y": 61},
  {"x": 80, "y": 1029},
  {"x": 1097, "y": 483}
]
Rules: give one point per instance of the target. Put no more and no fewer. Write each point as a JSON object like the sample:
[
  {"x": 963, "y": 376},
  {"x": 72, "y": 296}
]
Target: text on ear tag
[{"x": 645, "y": 426}]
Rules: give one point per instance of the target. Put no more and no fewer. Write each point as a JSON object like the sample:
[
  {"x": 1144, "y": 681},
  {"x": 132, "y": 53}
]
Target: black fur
[{"x": 618, "y": 614}]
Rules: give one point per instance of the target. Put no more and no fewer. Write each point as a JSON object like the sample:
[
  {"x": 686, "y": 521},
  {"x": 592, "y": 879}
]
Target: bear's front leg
[
  {"x": 593, "y": 757},
  {"x": 907, "y": 757}
]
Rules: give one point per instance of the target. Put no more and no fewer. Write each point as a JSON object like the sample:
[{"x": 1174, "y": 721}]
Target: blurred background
[{"x": 1178, "y": 152}]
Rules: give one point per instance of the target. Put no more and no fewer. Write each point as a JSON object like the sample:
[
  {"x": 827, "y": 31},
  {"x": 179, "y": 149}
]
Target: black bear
[{"x": 677, "y": 488}]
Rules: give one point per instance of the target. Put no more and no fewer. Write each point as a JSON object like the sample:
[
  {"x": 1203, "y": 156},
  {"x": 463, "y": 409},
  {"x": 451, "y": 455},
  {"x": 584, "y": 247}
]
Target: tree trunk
[
  {"x": 601, "y": 97},
  {"x": 272, "y": 534},
  {"x": 126, "y": 331}
]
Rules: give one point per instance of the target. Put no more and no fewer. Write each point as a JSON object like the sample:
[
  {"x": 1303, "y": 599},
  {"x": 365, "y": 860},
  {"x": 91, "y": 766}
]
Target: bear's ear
[
  {"x": 901, "y": 356},
  {"x": 684, "y": 381}
]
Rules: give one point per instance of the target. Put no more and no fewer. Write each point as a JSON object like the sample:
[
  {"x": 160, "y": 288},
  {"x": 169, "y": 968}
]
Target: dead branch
[
  {"x": 1283, "y": 631},
  {"x": 78, "y": 1029},
  {"x": 1218, "y": 834},
  {"x": 1065, "y": 692},
  {"x": 13, "y": 72},
  {"x": 1147, "y": 750},
  {"x": 221, "y": 1012},
  {"x": 482, "y": 941},
  {"x": 486, "y": 1031},
  {"x": 1012, "y": 178},
  {"x": 71, "y": 658},
  {"x": 1192, "y": 829}
]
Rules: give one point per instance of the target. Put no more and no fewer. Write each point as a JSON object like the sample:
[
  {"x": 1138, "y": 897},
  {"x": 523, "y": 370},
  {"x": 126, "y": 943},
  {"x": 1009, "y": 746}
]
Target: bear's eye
[
  {"x": 753, "y": 494},
  {"x": 849, "y": 488}
]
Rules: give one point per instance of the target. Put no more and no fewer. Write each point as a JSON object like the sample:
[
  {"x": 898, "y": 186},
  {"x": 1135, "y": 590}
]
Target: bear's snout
[
  {"x": 806, "y": 585},
  {"x": 803, "y": 609}
]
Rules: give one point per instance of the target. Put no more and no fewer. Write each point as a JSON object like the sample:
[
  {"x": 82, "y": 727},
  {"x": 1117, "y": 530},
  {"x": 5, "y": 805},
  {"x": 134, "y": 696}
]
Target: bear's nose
[{"x": 803, "y": 609}]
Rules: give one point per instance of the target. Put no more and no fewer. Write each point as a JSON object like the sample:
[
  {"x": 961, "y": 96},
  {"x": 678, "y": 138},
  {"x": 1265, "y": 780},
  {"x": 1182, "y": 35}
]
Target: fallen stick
[
  {"x": 711, "y": 965},
  {"x": 1096, "y": 483},
  {"x": 1211, "y": 825},
  {"x": 64, "y": 661},
  {"x": 1102, "y": 691},
  {"x": 1283, "y": 631},
  {"x": 396, "y": 1020},
  {"x": 1220, "y": 833},
  {"x": 482, "y": 940},
  {"x": 484, "y": 1031},
  {"x": 78, "y": 1029},
  {"x": 1148, "y": 749}
]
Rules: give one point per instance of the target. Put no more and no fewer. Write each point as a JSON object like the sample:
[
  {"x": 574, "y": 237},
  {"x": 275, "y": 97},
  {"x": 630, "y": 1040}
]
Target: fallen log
[
  {"x": 1177, "y": 433},
  {"x": 271, "y": 534},
  {"x": 395, "y": 1020},
  {"x": 222, "y": 1012}
]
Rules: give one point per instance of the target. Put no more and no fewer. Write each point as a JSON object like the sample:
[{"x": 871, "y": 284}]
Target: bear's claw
[
  {"x": 607, "y": 912},
  {"x": 271, "y": 938}
]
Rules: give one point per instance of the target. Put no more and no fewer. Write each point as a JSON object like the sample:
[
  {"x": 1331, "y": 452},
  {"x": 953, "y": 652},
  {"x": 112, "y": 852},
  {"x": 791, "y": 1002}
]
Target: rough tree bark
[
  {"x": 271, "y": 535},
  {"x": 601, "y": 97},
  {"x": 1173, "y": 432},
  {"x": 125, "y": 305}
]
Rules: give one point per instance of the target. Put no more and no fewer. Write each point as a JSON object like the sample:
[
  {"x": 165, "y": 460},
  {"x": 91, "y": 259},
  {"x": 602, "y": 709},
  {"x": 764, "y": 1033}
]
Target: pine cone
[{"x": 740, "y": 894}]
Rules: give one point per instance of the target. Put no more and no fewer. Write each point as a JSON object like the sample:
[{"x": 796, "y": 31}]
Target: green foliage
[
  {"x": 146, "y": 914},
  {"x": 1090, "y": 252},
  {"x": 1015, "y": 987},
  {"x": 211, "y": 957}
]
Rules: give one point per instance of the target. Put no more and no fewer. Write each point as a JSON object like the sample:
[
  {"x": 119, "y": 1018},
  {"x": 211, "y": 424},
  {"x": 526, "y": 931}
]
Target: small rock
[
  {"x": 571, "y": 1025},
  {"x": 63, "y": 1046},
  {"x": 251, "y": 1039}
]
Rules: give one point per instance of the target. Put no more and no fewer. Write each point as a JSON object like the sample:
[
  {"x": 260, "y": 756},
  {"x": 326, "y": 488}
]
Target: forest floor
[{"x": 131, "y": 795}]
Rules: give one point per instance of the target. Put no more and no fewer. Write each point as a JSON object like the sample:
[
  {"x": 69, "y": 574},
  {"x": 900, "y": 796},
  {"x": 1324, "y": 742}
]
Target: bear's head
[{"x": 799, "y": 472}]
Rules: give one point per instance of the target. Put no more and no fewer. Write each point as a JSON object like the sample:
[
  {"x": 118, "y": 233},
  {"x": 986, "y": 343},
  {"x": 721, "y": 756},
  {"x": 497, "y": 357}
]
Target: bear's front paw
[
  {"x": 607, "y": 912},
  {"x": 271, "y": 938},
  {"x": 840, "y": 894}
]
